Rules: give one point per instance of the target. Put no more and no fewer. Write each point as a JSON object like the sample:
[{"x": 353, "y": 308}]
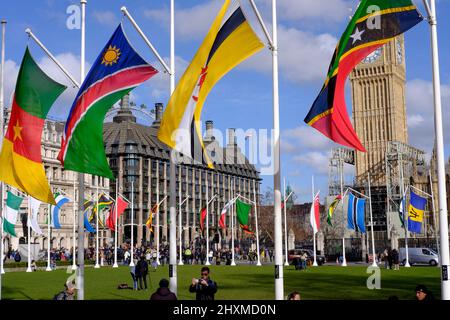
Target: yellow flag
[{"x": 226, "y": 45}]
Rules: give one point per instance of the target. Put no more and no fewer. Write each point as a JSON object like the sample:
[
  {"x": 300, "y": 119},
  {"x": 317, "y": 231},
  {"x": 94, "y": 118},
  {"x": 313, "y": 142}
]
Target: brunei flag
[
  {"x": 228, "y": 43},
  {"x": 117, "y": 71},
  {"x": 375, "y": 23},
  {"x": 20, "y": 159}
]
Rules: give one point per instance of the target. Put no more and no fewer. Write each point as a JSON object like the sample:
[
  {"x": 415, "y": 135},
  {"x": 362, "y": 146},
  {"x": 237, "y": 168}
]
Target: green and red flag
[
  {"x": 117, "y": 70},
  {"x": 20, "y": 159},
  {"x": 375, "y": 23},
  {"x": 242, "y": 213}
]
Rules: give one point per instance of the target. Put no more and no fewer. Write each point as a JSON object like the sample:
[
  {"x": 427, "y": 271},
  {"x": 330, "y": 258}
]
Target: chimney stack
[
  {"x": 232, "y": 137},
  {"x": 209, "y": 130},
  {"x": 158, "y": 114}
]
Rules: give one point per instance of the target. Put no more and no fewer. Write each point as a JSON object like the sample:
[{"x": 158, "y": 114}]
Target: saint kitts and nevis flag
[
  {"x": 117, "y": 71},
  {"x": 20, "y": 159},
  {"x": 13, "y": 203},
  {"x": 228, "y": 42},
  {"x": 375, "y": 23}
]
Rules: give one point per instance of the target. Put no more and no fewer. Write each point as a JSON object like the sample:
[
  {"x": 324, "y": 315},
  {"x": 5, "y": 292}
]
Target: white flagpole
[
  {"x": 233, "y": 208},
  {"x": 344, "y": 260},
  {"x": 97, "y": 265},
  {"x": 132, "y": 225},
  {"x": 156, "y": 233},
  {"x": 442, "y": 193},
  {"x": 2, "y": 108},
  {"x": 115, "y": 265},
  {"x": 74, "y": 251},
  {"x": 80, "y": 275},
  {"x": 48, "y": 238},
  {"x": 256, "y": 222},
  {"x": 402, "y": 189},
  {"x": 314, "y": 231},
  {"x": 434, "y": 219},
  {"x": 28, "y": 236},
  {"x": 286, "y": 253},
  {"x": 180, "y": 260},
  {"x": 172, "y": 181},
  {"x": 374, "y": 262},
  {"x": 207, "y": 220}
]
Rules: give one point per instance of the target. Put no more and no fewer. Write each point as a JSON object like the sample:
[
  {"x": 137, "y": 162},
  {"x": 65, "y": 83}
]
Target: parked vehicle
[
  {"x": 419, "y": 256},
  {"x": 295, "y": 254}
]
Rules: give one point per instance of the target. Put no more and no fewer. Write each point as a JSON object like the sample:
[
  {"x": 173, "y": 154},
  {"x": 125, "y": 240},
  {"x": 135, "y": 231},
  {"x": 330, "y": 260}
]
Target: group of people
[{"x": 391, "y": 259}]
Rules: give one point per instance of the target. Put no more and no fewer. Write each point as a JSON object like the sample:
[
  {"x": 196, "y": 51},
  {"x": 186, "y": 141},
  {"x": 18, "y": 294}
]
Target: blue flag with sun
[{"x": 117, "y": 70}]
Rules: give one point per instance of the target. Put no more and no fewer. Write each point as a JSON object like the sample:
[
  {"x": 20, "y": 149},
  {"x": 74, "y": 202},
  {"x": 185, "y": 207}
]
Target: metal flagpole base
[
  {"x": 29, "y": 269},
  {"x": 74, "y": 267},
  {"x": 344, "y": 263},
  {"x": 315, "y": 264},
  {"x": 207, "y": 263},
  {"x": 158, "y": 262},
  {"x": 115, "y": 265},
  {"x": 132, "y": 263},
  {"x": 407, "y": 265},
  {"x": 97, "y": 266},
  {"x": 374, "y": 264},
  {"x": 233, "y": 263},
  {"x": 48, "y": 269},
  {"x": 3, "y": 271},
  {"x": 259, "y": 263},
  {"x": 181, "y": 263},
  {"x": 286, "y": 264}
]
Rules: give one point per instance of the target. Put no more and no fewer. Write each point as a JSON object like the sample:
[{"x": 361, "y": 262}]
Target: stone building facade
[{"x": 137, "y": 156}]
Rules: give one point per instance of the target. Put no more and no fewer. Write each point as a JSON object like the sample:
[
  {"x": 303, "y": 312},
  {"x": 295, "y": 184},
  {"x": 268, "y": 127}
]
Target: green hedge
[{"x": 43, "y": 264}]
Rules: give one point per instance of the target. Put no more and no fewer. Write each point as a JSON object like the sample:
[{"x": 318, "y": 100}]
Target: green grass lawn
[{"x": 240, "y": 283}]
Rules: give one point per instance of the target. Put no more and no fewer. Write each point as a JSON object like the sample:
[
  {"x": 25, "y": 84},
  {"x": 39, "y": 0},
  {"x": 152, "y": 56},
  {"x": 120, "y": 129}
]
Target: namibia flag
[{"x": 375, "y": 23}]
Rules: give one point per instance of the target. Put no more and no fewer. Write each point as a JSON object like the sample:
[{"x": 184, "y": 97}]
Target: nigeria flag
[{"x": 13, "y": 203}]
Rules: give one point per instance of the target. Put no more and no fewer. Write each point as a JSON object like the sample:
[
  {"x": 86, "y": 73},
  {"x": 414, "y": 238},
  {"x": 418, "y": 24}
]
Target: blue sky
[{"x": 308, "y": 33}]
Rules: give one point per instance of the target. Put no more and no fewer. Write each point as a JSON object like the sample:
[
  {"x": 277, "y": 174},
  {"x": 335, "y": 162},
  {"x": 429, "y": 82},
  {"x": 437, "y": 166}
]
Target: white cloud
[
  {"x": 420, "y": 108},
  {"x": 303, "y": 56},
  {"x": 314, "y": 160},
  {"x": 191, "y": 23},
  {"x": 11, "y": 72},
  {"x": 305, "y": 137},
  {"x": 106, "y": 18}
]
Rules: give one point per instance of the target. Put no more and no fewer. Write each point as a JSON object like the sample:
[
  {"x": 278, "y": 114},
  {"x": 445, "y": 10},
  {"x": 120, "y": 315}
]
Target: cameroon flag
[
  {"x": 20, "y": 159},
  {"x": 375, "y": 23}
]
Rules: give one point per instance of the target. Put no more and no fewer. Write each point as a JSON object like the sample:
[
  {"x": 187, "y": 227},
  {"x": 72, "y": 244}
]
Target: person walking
[
  {"x": 205, "y": 288},
  {"x": 163, "y": 293},
  {"x": 141, "y": 272},
  {"x": 133, "y": 276},
  {"x": 395, "y": 259},
  {"x": 390, "y": 260}
]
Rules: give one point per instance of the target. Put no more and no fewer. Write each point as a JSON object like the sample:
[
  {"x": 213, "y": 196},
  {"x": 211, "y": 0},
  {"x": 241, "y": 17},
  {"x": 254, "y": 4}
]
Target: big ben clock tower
[{"x": 379, "y": 107}]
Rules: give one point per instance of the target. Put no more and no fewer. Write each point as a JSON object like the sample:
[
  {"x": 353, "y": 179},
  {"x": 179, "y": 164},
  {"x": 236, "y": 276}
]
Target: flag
[
  {"x": 117, "y": 71},
  {"x": 102, "y": 203},
  {"x": 375, "y": 23},
  {"x": 356, "y": 213},
  {"x": 121, "y": 206},
  {"x": 225, "y": 46},
  {"x": 333, "y": 207},
  {"x": 87, "y": 226},
  {"x": 416, "y": 212},
  {"x": 401, "y": 211},
  {"x": 222, "y": 220},
  {"x": 315, "y": 214},
  {"x": 242, "y": 212},
  {"x": 33, "y": 221},
  {"x": 20, "y": 159},
  {"x": 13, "y": 203},
  {"x": 149, "y": 222},
  {"x": 60, "y": 201},
  {"x": 202, "y": 218}
]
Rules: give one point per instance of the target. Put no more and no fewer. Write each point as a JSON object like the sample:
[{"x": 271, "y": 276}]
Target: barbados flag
[
  {"x": 229, "y": 42},
  {"x": 416, "y": 212},
  {"x": 375, "y": 23},
  {"x": 117, "y": 71}
]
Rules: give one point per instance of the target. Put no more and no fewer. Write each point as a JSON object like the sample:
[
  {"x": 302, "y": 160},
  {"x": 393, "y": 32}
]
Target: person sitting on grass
[
  {"x": 33, "y": 265},
  {"x": 163, "y": 293},
  {"x": 423, "y": 294},
  {"x": 205, "y": 288},
  {"x": 295, "y": 295},
  {"x": 68, "y": 293}
]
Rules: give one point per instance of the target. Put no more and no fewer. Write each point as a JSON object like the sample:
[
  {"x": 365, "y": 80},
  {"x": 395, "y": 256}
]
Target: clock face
[
  {"x": 373, "y": 56},
  {"x": 399, "y": 52}
]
